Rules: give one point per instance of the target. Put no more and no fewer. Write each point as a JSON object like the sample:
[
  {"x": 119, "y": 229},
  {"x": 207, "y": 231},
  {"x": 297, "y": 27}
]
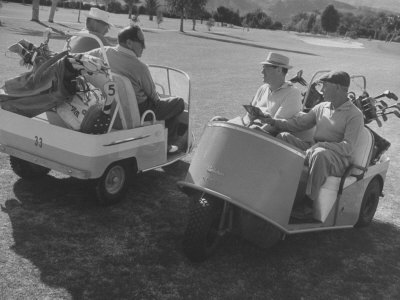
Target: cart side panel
[
  {"x": 89, "y": 153},
  {"x": 257, "y": 171}
]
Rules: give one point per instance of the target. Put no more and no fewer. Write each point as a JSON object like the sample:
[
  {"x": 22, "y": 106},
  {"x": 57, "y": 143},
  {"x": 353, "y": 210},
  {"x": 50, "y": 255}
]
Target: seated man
[
  {"x": 338, "y": 125},
  {"x": 124, "y": 60},
  {"x": 97, "y": 23},
  {"x": 277, "y": 97}
]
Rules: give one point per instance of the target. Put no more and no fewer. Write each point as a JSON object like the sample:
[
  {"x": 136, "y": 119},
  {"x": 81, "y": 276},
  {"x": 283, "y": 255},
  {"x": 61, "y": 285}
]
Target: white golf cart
[
  {"x": 246, "y": 182},
  {"x": 43, "y": 143}
]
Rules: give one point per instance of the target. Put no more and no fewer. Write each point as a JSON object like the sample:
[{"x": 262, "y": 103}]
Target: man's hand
[
  {"x": 310, "y": 150},
  {"x": 266, "y": 118}
]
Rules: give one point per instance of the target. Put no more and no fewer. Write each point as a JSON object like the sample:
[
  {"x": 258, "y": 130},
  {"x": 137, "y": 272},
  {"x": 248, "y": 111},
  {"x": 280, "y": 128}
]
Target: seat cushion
[{"x": 328, "y": 192}]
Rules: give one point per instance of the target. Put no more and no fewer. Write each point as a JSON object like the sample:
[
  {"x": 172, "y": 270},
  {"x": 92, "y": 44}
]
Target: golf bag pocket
[{"x": 73, "y": 112}]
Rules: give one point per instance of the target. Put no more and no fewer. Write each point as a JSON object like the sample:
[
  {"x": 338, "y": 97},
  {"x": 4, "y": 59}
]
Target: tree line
[{"x": 369, "y": 24}]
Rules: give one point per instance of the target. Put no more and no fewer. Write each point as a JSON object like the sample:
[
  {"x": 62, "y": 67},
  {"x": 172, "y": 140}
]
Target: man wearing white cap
[
  {"x": 276, "y": 97},
  {"x": 97, "y": 23}
]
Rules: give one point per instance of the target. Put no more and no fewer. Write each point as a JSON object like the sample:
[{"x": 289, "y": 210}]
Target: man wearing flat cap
[{"x": 338, "y": 123}]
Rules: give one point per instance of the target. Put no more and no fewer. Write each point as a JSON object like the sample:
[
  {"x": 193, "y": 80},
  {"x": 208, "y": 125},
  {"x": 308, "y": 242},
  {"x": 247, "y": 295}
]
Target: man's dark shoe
[
  {"x": 304, "y": 213},
  {"x": 304, "y": 210}
]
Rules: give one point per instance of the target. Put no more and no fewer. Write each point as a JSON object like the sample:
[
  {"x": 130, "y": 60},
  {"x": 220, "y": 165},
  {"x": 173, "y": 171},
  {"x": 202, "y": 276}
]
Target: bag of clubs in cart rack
[{"x": 58, "y": 83}]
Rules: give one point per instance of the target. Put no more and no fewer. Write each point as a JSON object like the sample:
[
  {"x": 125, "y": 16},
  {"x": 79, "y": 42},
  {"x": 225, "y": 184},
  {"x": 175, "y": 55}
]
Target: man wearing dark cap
[
  {"x": 338, "y": 124},
  {"x": 124, "y": 60}
]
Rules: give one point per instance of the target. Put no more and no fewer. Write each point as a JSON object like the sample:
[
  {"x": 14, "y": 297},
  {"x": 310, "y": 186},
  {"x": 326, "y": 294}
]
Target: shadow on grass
[
  {"x": 133, "y": 249},
  {"x": 248, "y": 44},
  {"x": 31, "y": 32},
  {"x": 98, "y": 252},
  {"x": 229, "y": 36}
]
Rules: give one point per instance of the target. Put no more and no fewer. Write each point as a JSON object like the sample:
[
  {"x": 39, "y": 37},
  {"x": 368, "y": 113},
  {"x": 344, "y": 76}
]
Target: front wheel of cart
[
  {"x": 113, "y": 185},
  {"x": 202, "y": 236},
  {"x": 26, "y": 169}
]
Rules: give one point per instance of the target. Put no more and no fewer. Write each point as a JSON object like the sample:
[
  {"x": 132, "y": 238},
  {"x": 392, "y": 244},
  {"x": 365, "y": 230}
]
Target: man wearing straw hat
[
  {"x": 97, "y": 23},
  {"x": 276, "y": 97}
]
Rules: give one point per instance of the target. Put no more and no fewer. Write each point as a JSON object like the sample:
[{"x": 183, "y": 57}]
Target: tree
[
  {"x": 35, "y": 10},
  {"x": 224, "y": 15},
  {"x": 311, "y": 22},
  {"x": 107, "y": 4},
  {"x": 160, "y": 18},
  {"x": 53, "y": 10},
  {"x": 258, "y": 19},
  {"x": 195, "y": 10},
  {"x": 330, "y": 19},
  {"x": 151, "y": 8},
  {"x": 178, "y": 7},
  {"x": 130, "y": 4}
]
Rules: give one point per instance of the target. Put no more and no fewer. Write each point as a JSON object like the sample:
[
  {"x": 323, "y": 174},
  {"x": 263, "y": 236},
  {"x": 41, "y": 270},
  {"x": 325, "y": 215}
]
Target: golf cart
[
  {"x": 43, "y": 143},
  {"x": 246, "y": 182}
]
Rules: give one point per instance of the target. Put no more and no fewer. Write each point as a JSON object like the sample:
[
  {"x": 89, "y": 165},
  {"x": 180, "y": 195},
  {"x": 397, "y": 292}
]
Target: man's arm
[
  {"x": 148, "y": 84},
  {"x": 298, "y": 123}
]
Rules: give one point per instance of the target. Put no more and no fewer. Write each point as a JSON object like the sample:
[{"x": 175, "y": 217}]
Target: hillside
[
  {"x": 388, "y": 5},
  {"x": 283, "y": 10}
]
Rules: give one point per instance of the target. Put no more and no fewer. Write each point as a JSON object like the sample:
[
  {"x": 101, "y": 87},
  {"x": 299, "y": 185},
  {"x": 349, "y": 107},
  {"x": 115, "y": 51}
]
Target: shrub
[{"x": 210, "y": 23}]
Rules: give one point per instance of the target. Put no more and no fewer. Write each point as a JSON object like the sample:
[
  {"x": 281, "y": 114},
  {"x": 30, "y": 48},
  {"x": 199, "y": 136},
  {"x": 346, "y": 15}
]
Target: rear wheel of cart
[
  {"x": 26, "y": 169},
  {"x": 201, "y": 236},
  {"x": 369, "y": 203},
  {"x": 113, "y": 185}
]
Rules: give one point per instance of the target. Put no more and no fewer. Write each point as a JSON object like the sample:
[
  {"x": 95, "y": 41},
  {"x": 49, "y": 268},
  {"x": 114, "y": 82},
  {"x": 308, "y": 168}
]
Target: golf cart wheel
[
  {"x": 369, "y": 203},
  {"x": 26, "y": 169},
  {"x": 201, "y": 236},
  {"x": 113, "y": 185}
]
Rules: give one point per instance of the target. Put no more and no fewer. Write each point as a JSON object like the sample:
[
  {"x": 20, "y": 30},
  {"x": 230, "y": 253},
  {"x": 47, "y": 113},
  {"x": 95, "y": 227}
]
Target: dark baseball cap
[{"x": 337, "y": 77}]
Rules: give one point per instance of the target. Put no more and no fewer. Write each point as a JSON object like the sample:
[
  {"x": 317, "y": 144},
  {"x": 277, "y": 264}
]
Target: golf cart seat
[
  {"x": 334, "y": 186},
  {"x": 129, "y": 106}
]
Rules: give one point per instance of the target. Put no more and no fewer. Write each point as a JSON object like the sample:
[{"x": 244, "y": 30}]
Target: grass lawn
[{"x": 57, "y": 243}]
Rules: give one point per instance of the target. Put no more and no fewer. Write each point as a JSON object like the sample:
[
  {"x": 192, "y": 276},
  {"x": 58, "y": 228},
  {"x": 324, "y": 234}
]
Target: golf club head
[
  {"x": 384, "y": 103},
  {"x": 393, "y": 96},
  {"x": 390, "y": 95},
  {"x": 298, "y": 78}
]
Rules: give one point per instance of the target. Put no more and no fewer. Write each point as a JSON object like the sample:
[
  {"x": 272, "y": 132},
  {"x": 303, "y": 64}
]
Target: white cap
[{"x": 98, "y": 14}]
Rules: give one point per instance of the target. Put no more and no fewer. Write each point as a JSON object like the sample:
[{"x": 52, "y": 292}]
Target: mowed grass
[{"x": 57, "y": 243}]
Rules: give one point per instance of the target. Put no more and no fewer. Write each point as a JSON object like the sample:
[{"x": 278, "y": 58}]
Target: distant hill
[
  {"x": 388, "y": 5},
  {"x": 283, "y": 10}
]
